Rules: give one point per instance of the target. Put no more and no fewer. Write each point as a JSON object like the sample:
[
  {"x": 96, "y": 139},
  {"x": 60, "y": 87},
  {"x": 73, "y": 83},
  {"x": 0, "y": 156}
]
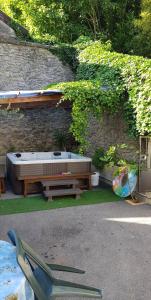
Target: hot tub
[{"x": 28, "y": 164}]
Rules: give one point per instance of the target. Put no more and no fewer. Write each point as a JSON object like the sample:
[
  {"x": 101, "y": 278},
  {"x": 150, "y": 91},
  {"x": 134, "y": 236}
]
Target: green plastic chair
[{"x": 40, "y": 278}]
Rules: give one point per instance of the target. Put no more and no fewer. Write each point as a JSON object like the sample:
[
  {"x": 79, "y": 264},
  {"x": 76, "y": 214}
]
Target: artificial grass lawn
[{"x": 37, "y": 203}]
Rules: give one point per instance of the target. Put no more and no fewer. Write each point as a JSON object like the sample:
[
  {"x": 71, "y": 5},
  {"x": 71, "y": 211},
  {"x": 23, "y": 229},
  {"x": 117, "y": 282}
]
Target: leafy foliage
[
  {"x": 134, "y": 73},
  {"x": 125, "y": 23},
  {"x": 109, "y": 81},
  {"x": 64, "y": 140},
  {"x": 51, "y": 20},
  {"x": 106, "y": 80},
  {"x": 60, "y": 139},
  {"x": 112, "y": 157},
  {"x": 20, "y": 33},
  {"x": 118, "y": 22},
  {"x": 125, "y": 168},
  {"x": 88, "y": 97},
  {"x": 99, "y": 164},
  {"x": 141, "y": 42}
]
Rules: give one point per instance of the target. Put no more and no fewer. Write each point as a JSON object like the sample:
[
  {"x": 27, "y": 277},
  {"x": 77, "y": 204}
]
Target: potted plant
[
  {"x": 112, "y": 161},
  {"x": 110, "y": 164}
]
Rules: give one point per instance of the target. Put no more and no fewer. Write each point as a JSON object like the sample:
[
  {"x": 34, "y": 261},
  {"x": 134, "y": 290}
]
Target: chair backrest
[
  {"x": 25, "y": 257},
  {"x": 39, "y": 275}
]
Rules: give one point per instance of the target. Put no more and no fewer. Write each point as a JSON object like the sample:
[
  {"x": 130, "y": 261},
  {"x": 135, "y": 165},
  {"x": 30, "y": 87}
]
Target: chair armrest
[{"x": 65, "y": 268}]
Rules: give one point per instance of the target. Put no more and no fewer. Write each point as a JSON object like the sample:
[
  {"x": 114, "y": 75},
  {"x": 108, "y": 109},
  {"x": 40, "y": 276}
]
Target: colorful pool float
[{"x": 124, "y": 184}]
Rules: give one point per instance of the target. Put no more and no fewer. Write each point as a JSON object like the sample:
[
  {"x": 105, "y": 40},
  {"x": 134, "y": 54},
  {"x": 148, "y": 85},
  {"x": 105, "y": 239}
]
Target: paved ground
[
  {"x": 112, "y": 242},
  {"x": 10, "y": 195}
]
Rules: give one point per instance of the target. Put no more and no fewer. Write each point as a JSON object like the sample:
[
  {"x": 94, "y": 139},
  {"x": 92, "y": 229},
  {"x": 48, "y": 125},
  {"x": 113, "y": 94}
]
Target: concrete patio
[{"x": 111, "y": 241}]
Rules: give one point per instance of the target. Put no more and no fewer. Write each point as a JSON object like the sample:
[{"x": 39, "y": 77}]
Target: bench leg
[
  {"x": 77, "y": 196},
  {"x": 89, "y": 183},
  {"x": 49, "y": 199},
  {"x": 25, "y": 188}
]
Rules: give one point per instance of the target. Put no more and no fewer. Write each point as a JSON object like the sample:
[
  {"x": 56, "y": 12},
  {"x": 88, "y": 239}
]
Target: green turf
[{"x": 37, "y": 203}]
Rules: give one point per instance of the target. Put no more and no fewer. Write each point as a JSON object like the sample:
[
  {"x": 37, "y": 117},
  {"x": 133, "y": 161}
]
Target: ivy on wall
[
  {"x": 89, "y": 97},
  {"x": 109, "y": 81},
  {"x": 133, "y": 71}
]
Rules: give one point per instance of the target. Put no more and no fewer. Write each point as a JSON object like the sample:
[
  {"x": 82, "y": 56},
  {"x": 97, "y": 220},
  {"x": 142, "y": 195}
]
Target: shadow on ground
[{"x": 111, "y": 241}]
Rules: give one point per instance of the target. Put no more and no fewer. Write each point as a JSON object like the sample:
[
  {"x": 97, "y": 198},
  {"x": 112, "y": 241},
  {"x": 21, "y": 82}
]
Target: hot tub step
[
  {"x": 47, "y": 183},
  {"x": 63, "y": 192}
]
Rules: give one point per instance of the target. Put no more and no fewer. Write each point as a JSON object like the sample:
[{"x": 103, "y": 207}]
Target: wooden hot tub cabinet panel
[{"x": 19, "y": 172}]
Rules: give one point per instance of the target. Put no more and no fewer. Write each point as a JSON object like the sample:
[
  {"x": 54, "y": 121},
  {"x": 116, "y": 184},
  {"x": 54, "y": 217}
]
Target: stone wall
[
  {"x": 29, "y": 66},
  {"x": 111, "y": 130},
  {"x": 31, "y": 130},
  {"x": 5, "y": 30}
]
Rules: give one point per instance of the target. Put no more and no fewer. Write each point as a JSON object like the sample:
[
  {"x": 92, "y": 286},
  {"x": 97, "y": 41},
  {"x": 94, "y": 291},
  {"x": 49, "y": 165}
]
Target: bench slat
[
  {"x": 46, "y": 183},
  {"x": 62, "y": 192}
]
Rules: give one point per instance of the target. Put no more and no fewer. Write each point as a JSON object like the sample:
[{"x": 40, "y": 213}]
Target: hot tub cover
[{"x": 30, "y": 93}]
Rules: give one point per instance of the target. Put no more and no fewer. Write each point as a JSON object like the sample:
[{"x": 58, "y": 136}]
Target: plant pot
[{"x": 95, "y": 179}]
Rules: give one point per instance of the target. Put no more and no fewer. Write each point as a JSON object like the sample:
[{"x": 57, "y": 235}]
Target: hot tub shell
[{"x": 43, "y": 164}]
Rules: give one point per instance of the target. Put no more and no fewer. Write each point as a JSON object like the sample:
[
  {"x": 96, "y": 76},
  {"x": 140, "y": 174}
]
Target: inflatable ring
[{"x": 124, "y": 184}]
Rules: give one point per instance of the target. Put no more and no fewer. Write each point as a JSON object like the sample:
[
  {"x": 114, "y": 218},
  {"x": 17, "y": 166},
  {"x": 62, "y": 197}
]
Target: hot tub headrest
[
  {"x": 18, "y": 154},
  {"x": 57, "y": 153}
]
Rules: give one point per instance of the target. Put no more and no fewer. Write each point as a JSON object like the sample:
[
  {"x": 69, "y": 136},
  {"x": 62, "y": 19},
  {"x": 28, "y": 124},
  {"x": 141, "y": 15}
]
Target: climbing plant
[
  {"x": 135, "y": 74},
  {"x": 109, "y": 81},
  {"x": 89, "y": 97}
]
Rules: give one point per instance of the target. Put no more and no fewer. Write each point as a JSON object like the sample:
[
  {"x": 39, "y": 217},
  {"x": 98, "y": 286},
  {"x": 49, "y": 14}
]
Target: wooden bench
[
  {"x": 62, "y": 192},
  {"x": 50, "y": 183},
  {"x": 68, "y": 187},
  {"x": 33, "y": 179}
]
